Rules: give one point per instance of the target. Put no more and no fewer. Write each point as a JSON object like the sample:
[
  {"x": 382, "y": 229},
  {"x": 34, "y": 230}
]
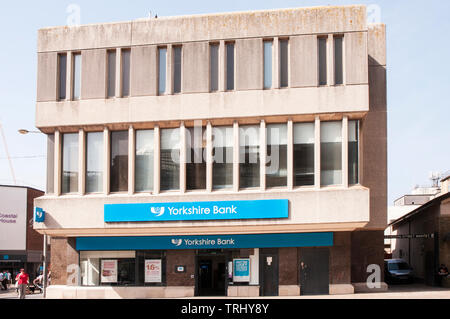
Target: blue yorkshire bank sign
[
  {"x": 205, "y": 242},
  {"x": 154, "y": 212}
]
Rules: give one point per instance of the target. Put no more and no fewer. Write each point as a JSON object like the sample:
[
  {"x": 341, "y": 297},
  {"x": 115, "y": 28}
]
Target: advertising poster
[
  {"x": 109, "y": 271},
  {"x": 241, "y": 270},
  {"x": 153, "y": 270},
  {"x": 13, "y": 218}
]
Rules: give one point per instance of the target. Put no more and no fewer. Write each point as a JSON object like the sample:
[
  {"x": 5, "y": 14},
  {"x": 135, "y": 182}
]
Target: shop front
[{"x": 213, "y": 265}]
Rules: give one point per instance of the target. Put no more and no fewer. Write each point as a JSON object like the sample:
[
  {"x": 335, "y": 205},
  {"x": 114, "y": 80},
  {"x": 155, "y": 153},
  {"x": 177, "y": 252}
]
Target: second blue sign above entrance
[{"x": 153, "y": 212}]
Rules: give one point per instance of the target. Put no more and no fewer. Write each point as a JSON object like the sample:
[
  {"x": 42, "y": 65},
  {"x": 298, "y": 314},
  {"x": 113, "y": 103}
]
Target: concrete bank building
[{"x": 235, "y": 154}]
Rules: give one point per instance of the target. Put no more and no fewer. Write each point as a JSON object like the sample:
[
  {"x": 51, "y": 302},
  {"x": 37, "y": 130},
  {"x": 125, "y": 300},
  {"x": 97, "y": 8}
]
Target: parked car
[{"x": 398, "y": 271}]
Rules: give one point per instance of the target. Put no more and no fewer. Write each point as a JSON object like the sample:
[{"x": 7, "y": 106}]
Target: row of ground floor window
[{"x": 223, "y": 272}]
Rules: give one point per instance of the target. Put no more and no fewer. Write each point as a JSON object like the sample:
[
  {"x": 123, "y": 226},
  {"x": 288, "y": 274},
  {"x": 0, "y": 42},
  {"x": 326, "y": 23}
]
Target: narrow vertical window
[
  {"x": 338, "y": 61},
  {"x": 222, "y": 157},
  {"x": 144, "y": 160},
  {"x": 111, "y": 73},
  {"x": 126, "y": 59},
  {"x": 69, "y": 163},
  {"x": 322, "y": 61},
  {"x": 62, "y": 75},
  {"x": 284, "y": 63},
  {"x": 170, "y": 159},
  {"x": 195, "y": 159},
  {"x": 276, "y": 167},
  {"x": 162, "y": 69},
  {"x": 119, "y": 161},
  {"x": 249, "y": 159},
  {"x": 94, "y": 162},
  {"x": 76, "y": 76},
  {"x": 214, "y": 67},
  {"x": 353, "y": 152},
  {"x": 50, "y": 163},
  {"x": 304, "y": 154},
  {"x": 268, "y": 64},
  {"x": 177, "y": 54},
  {"x": 331, "y": 153},
  {"x": 230, "y": 66}
]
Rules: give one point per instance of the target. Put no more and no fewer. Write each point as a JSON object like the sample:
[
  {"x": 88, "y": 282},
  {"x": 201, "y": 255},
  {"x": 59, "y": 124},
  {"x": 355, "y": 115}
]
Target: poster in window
[
  {"x": 153, "y": 271},
  {"x": 109, "y": 271},
  {"x": 241, "y": 270}
]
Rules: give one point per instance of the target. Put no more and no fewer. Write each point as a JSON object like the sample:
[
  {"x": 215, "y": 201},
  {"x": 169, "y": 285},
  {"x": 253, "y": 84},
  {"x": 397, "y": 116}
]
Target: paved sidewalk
[{"x": 395, "y": 292}]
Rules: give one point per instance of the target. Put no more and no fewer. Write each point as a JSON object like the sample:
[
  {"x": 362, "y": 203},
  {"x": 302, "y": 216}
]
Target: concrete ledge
[
  {"x": 342, "y": 289},
  {"x": 243, "y": 291},
  {"x": 361, "y": 287},
  {"x": 289, "y": 290},
  {"x": 67, "y": 292}
]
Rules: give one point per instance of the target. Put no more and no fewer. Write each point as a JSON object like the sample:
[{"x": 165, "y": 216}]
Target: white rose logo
[
  {"x": 177, "y": 242},
  {"x": 158, "y": 211}
]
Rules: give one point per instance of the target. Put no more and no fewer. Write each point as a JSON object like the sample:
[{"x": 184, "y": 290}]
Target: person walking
[
  {"x": 8, "y": 283},
  {"x": 2, "y": 275},
  {"x": 5, "y": 280},
  {"x": 23, "y": 280}
]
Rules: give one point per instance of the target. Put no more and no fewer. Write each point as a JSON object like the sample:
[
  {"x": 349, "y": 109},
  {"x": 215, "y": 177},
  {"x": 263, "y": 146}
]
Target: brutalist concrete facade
[{"x": 355, "y": 214}]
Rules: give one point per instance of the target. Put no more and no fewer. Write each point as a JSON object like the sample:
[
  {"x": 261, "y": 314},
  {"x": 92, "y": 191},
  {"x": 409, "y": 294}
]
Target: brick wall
[{"x": 180, "y": 257}]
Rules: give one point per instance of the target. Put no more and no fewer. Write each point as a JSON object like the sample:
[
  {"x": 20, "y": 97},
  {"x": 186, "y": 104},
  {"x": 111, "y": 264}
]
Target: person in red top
[{"x": 23, "y": 280}]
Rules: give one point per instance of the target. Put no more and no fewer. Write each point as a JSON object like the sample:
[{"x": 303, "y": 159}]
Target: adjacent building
[
  {"x": 20, "y": 245},
  {"x": 234, "y": 154}
]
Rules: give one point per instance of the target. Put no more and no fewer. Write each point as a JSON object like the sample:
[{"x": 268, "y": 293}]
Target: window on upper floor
[
  {"x": 322, "y": 50},
  {"x": 70, "y": 169},
  {"x": 94, "y": 162},
  {"x": 353, "y": 152},
  {"x": 338, "y": 61},
  {"x": 304, "y": 138},
  {"x": 76, "y": 76},
  {"x": 276, "y": 167},
  {"x": 162, "y": 70},
  {"x": 50, "y": 164},
  {"x": 126, "y": 60},
  {"x": 62, "y": 76},
  {"x": 145, "y": 157},
  {"x": 195, "y": 158},
  {"x": 230, "y": 66},
  {"x": 249, "y": 156},
  {"x": 268, "y": 57},
  {"x": 284, "y": 63},
  {"x": 331, "y": 153},
  {"x": 177, "y": 69},
  {"x": 119, "y": 161},
  {"x": 214, "y": 67},
  {"x": 222, "y": 141},
  {"x": 111, "y": 82},
  {"x": 170, "y": 159}
]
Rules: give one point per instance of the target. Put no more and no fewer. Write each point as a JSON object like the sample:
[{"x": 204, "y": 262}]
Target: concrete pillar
[
  {"x": 131, "y": 160},
  {"x": 81, "y": 162},
  {"x": 57, "y": 166},
  {"x": 119, "y": 73},
  {"x": 276, "y": 64},
  {"x": 169, "y": 70},
  {"x": 262, "y": 155},
  {"x": 209, "y": 158},
  {"x": 182, "y": 158},
  {"x": 330, "y": 60},
  {"x": 317, "y": 153},
  {"x": 345, "y": 151},
  {"x": 157, "y": 162},
  {"x": 290, "y": 155},
  {"x": 236, "y": 157},
  {"x": 106, "y": 161},
  {"x": 254, "y": 266},
  {"x": 69, "y": 79}
]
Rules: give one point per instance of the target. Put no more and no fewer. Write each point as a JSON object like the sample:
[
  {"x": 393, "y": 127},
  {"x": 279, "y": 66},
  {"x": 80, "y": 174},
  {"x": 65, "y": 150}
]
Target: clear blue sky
[{"x": 418, "y": 76}]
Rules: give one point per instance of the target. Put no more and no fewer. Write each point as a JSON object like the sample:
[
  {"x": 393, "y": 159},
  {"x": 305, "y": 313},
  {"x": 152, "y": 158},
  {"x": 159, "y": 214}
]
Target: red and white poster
[
  {"x": 153, "y": 270},
  {"x": 109, "y": 271}
]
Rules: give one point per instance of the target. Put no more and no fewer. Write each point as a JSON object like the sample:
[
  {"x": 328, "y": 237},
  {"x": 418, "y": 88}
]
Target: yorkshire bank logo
[
  {"x": 158, "y": 211},
  {"x": 177, "y": 242}
]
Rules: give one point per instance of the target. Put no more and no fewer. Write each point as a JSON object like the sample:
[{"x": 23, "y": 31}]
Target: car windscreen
[{"x": 398, "y": 266}]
